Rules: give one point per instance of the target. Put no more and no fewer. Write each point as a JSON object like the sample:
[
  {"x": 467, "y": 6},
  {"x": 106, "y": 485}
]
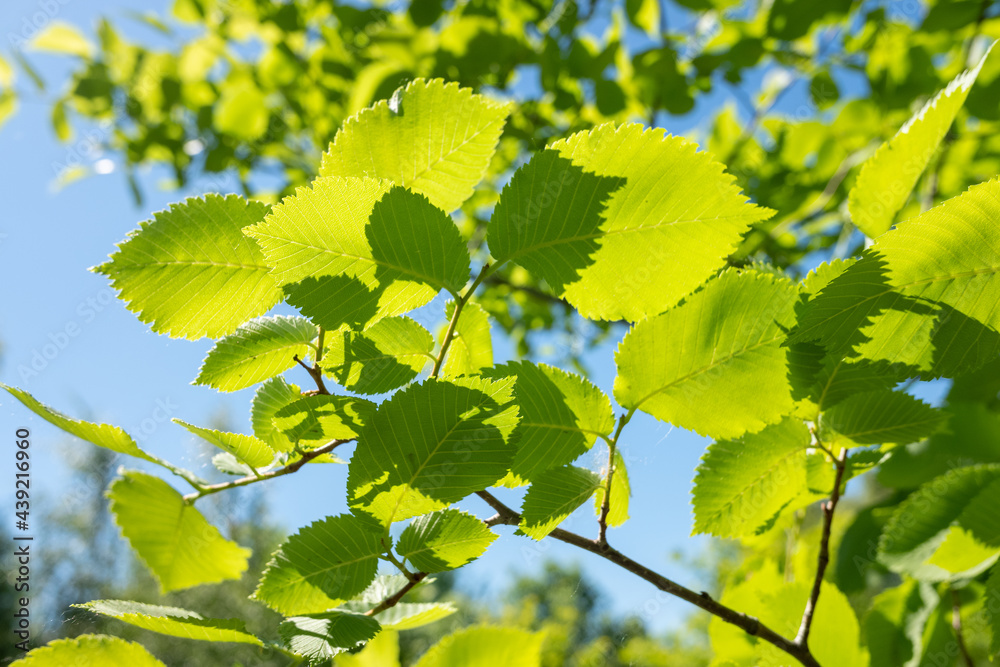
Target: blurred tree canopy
[{"x": 792, "y": 95}]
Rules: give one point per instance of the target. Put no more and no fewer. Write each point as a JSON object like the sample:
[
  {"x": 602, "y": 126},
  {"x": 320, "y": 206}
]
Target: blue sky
[{"x": 71, "y": 344}]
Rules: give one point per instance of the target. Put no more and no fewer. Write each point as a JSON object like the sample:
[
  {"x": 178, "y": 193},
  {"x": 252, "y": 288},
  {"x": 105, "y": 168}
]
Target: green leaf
[
  {"x": 839, "y": 379},
  {"x": 920, "y": 524},
  {"x": 580, "y": 216},
  {"x": 102, "y": 435},
  {"x": 444, "y": 540},
  {"x": 922, "y": 296},
  {"x": 562, "y": 415},
  {"x": 879, "y": 417},
  {"x": 256, "y": 351},
  {"x": 620, "y": 493},
  {"x": 383, "y": 357},
  {"x": 431, "y": 445},
  {"x": 173, "y": 621},
  {"x": 742, "y": 484},
  {"x": 61, "y": 37},
  {"x": 432, "y": 137},
  {"x": 484, "y": 646},
  {"x": 93, "y": 650},
  {"x": 889, "y": 176},
  {"x": 471, "y": 347},
  {"x": 190, "y": 272},
  {"x": 228, "y": 464},
  {"x": 382, "y": 651},
  {"x": 241, "y": 110},
  {"x": 246, "y": 448},
  {"x": 313, "y": 421},
  {"x": 991, "y": 594},
  {"x": 321, "y": 566},
  {"x": 351, "y": 251},
  {"x": 411, "y": 615},
  {"x": 644, "y": 14},
  {"x": 895, "y": 622},
  {"x": 980, "y": 516},
  {"x": 715, "y": 364},
  {"x": 553, "y": 496},
  {"x": 180, "y": 548},
  {"x": 319, "y": 637},
  {"x": 270, "y": 398}
]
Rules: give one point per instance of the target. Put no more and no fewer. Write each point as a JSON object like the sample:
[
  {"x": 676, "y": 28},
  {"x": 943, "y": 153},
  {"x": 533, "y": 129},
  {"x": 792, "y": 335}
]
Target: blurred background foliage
[{"x": 792, "y": 95}]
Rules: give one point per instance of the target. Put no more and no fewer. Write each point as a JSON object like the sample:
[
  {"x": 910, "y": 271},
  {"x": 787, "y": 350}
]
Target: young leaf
[
  {"x": 888, "y": 177},
  {"x": 553, "y": 496},
  {"x": 102, "y": 435},
  {"x": 256, "y": 351},
  {"x": 319, "y": 637},
  {"x": 879, "y": 417},
  {"x": 431, "y": 445},
  {"x": 173, "y": 621},
  {"x": 180, "y": 548},
  {"x": 386, "y": 355},
  {"x": 433, "y": 137},
  {"x": 483, "y": 646},
  {"x": 920, "y": 524},
  {"x": 321, "y": 566},
  {"x": 471, "y": 347},
  {"x": 715, "y": 364},
  {"x": 444, "y": 540},
  {"x": 190, "y": 272},
  {"x": 923, "y": 295},
  {"x": 620, "y": 493},
  {"x": 351, "y": 251},
  {"x": 580, "y": 215},
  {"x": 313, "y": 421},
  {"x": 742, "y": 484},
  {"x": 98, "y": 650},
  {"x": 271, "y": 397},
  {"x": 562, "y": 415},
  {"x": 246, "y": 448}
]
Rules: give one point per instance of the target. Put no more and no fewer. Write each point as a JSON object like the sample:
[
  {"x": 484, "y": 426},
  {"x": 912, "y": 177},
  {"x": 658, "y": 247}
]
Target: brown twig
[
  {"x": 394, "y": 599},
  {"x": 748, "y": 624},
  {"x": 802, "y": 638},
  {"x": 252, "y": 479},
  {"x": 460, "y": 302}
]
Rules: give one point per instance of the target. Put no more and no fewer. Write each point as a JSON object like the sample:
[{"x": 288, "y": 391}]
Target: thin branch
[
  {"x": 394, "y": 599},
  {"x": 802, "y": 638},
  {"x": 602, "y": 520},
  {"x": 460, "y": 302},
  {"x": 252, "y": 479},
  {"x": 956, "y": 623},
  {"x": 748, "y": 624}
]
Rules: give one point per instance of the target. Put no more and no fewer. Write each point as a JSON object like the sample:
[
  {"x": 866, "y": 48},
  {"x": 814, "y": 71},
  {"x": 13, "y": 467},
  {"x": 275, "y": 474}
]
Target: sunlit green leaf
[
  {"x": 444, "y": 540},
  {"x": 319, "y": 637},
  {"x": 91, "y": 650},
  {"x": 483, "y": 646},
  {"x": 386, "y": 355},
  {"x": 246, "y": 448},
  {"x": 173, "y": 621},
  {"x": 471, "y": 346},
  {"x": 553, "y": 496}
]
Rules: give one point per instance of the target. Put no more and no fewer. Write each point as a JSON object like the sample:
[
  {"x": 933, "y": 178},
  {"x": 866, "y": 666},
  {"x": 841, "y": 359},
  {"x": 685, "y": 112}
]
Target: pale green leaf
[
  {"x": 383, "y": 357},
  {"x": 256, "y": 351},
  {"x": 620, "y": 222},
  {"x": 621, "y": 491},
  {"x": 991, "y": 594},
  {"x": 889, "y": 176},
  {"x": 444, "y": 540},
  {"x": 960, "y": 552},
  {"x": 879, "y": 417},
  {"x": 920, "y": 524},
  {"x": 313, "y": 421},
  {"x": 471, "y": 347},
  {"x": 271, "y": 397},
  {"x": 410, "y": 615},
  {"x": 644, "y": 14},
  {"x": 484, "y": 646},
  {"x": 432, "y": 137},
  {"x": 321, "y": 566},
  {"x": 741, "y": 484},
  {"x": 715, "y": 364},
  {"x": 895, "y": 622},
  {"x": 319, "y": 637},
  {"x": 180, "y": 548},
  {"x": 102, "y": 435},
  {"x": 431, "y": 445},
  {"x": 923, "y": 296},
  {"x": 246, "y": 448},
  {"x": 562, "y": 415},
  {"x": 61, "y": 37},
  {"x": 228, "y": 464},
  {"x": 350, "y": 251},
  {"x": 173, "y": 621},
  {"x": 90, "y": 650},
  {"x": 382, "y": 651},
  {"x": 241, "y": 110},
  {"x": 191, "y": 272},
  {"x": 553, "y": 496}
]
